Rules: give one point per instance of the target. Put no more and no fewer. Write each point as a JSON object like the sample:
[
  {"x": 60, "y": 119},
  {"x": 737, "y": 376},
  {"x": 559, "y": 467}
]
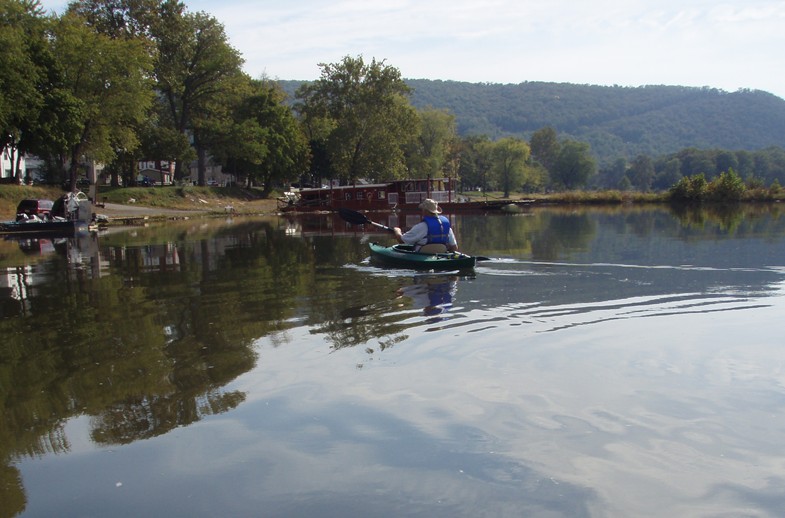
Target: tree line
[
  {"x": 116, "y": 82},
  {"x": 119, "y": 81}
]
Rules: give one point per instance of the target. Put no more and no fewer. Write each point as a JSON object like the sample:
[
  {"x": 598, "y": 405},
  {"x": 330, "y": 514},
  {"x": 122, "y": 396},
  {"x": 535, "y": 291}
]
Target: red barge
[{"x": 398, "y": 195}]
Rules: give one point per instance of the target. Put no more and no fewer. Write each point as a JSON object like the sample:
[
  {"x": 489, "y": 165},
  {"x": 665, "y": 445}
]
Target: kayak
[{"x": 404, "y": 256}]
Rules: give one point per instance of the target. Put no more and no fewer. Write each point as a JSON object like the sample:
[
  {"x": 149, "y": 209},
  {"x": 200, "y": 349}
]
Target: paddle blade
[{"x": 352, "y": 216}]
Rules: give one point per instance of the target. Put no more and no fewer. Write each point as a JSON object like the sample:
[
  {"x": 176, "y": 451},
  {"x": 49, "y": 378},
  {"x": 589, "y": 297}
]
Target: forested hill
[{"x": 616, "y": 121}]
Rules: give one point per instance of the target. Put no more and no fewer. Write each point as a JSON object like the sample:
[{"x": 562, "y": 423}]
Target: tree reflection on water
[{"x": 143, "y": 330}]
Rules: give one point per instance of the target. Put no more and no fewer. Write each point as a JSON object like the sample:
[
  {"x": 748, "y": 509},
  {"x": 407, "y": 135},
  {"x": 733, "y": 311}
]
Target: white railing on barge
[{"x": 438, "y": 196}]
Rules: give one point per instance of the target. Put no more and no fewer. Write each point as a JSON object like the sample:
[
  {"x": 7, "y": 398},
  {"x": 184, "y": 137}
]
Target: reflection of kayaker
[{"x": 433, "y": 294}]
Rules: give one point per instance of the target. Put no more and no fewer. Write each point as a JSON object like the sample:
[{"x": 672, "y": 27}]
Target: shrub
[
  {"x": 775, "y": 189},
  {"x": 727, "y": 187},
  {"x": 689, "y": 188}
]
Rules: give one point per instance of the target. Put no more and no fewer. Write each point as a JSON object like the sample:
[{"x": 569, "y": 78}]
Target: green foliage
[
  {"x": 545, "y": 147},
  {"x": 641, "y": 173},
  {"x": 365, "y": 111},
  {"x": 198, "y": 75},
  {"x": 683, "y": 130},
  {"x": 616, "y": 121},
  {"x": 727, "y": 187},
  {"x": 509, "y": 157},
  {"x": 428, "y": 150},
  {"x": 690, "y": 189},
  {"x": 23, "y": 80},
  {"x": 574, "y": 165},
  {"x": 107, "y": 82},
  {"x": 475, "y": 162},
  {"x": 267, "y": 145},
  {"x": 775, "y": 190}
]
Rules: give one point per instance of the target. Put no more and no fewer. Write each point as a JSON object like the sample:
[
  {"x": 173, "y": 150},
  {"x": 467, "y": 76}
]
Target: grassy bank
[
  {"x": 188, "y": 197},
  {"x": 249, "y": 201},
  {"x": 210, "y": 199}
]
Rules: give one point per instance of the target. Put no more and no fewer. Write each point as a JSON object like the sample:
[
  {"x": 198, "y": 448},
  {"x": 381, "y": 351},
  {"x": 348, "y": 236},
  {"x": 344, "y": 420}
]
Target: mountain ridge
[{"x": 617, "y": 121}]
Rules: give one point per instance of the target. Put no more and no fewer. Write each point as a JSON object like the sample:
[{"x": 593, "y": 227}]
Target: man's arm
[{"x": 416, "y": 234}]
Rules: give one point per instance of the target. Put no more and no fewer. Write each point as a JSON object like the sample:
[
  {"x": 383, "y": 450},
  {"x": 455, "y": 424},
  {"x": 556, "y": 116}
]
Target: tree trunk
[
  {"x": 201, "y": 164},
  {"x": 18, "y": 166},
  {"x": 73, "y": 168}
]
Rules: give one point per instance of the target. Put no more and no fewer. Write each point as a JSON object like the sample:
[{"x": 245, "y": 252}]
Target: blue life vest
[{"x": 438, "y": 229}]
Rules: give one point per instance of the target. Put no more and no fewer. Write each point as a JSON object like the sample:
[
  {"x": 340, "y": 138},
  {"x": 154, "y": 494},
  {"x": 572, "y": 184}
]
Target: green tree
[
  {"x": 105, "y": 82},
  {"x": 668, "y": 174},
  {"x": 24, "y": 61},
  {"x": 475, "y": 161},
  {"x": 510, "y": 156},
  {"x": 118, "y": 18},
  {"x": 196, "y": 71},
  {"x": 726, "y": 160},
  {"x": 266, "y": 143},
  {"x": 429, "y": 150},
  {"x": 131, "y": 19},
  {"x": 727, "y": 187},
  {"x": 614, "y": 176},
  {"x": 696, "y": 161},
  {"x": 690, "y": 189},
  {"x": 545, "y": 146},
  {"x": 574, "y": 165},
  {"x": 366, "y": 113},
  {"x": 641, "y": 173}
]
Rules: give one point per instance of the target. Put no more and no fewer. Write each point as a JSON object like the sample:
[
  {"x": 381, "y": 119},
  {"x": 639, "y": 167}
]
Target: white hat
[{"x": 431, "y": 206}]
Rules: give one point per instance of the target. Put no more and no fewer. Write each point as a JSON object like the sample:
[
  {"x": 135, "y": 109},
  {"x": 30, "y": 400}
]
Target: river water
[{"x": 602, "y": 362}]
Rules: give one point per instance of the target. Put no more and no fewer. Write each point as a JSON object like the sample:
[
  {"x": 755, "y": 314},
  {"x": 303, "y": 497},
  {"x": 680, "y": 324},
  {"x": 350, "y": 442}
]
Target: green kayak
[{"x": 404, "y": 256}]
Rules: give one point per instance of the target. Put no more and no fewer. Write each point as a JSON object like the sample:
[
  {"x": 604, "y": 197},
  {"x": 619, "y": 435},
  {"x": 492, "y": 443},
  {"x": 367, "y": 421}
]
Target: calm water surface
[{"x": 624, "y": 362}]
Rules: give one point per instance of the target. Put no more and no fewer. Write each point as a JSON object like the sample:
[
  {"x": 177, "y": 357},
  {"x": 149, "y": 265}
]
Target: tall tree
[
  {"x": 430, "y": 147},
  {"x": 641, "y": 173},
  {"x": 368, "y": 117},
  {"x": 545, "y": 147},
  {"x": 195, "y": 71},
  {"x": 106, "y": 81},
  {"x": 129, "y": 19},
  {"x": 574, "y": 165},
  {"x": 510, "y": 156},
  {"x": 475, "y": 161},
  {"x": 24, "y": 61},
  {"x": 266, "y": 143},
  {"x": 118, "y": 18},
  {"x": 613, "y": 176}
]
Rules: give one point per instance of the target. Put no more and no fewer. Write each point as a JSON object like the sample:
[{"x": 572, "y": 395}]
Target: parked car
[{"x": 29, "y": 208}]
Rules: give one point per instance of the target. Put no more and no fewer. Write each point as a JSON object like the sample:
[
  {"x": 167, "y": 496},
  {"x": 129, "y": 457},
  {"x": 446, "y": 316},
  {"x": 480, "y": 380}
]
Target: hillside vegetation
[{"x": 616, "y": 121}]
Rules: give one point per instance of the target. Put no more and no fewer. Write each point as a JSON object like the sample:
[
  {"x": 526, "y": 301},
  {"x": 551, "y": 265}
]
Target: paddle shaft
[
  {"x": 379, "y": 225},
  {"x": 358, "y": 218}
]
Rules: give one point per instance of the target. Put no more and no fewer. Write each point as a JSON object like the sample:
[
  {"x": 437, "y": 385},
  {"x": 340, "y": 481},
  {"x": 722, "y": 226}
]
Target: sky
[{"x": 700, "y": 43}]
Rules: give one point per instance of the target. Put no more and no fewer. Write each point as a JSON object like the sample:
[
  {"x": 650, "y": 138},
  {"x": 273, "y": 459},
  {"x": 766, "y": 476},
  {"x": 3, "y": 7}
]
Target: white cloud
[{"x": 725, "y": 45}]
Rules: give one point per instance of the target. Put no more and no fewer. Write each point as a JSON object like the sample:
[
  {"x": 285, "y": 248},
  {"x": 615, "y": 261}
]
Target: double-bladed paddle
[{"x": 358, "y": 218}]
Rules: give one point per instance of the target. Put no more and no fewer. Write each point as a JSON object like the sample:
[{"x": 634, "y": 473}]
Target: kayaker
[{"x": 433, "y": 229}]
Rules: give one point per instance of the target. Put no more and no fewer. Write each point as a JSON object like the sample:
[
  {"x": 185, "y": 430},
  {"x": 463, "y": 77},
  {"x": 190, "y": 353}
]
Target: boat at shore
[
  {"x": 400, "y": 195},
  {"x": 405, "y": 256},
  {"x": 68, "y": 216},
  {"x": 53, "y": 228}
]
